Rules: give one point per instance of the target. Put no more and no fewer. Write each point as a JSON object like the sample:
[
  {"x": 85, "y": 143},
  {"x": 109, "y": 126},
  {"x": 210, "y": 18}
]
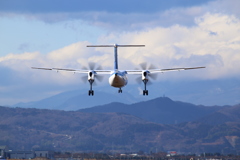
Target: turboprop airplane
[{"x": 118, "y": 78}]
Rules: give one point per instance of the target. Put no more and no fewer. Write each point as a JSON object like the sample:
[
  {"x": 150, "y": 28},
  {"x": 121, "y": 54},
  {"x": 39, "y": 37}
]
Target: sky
[{"x": 177, "y": 33}]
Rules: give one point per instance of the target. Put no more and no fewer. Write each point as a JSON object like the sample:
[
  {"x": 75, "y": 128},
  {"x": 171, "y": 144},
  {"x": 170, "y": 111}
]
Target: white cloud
[
  {"x": 206, "y": 35},
  {"x": 175, "y": 46},
  {"x": 24, "y": 56}
]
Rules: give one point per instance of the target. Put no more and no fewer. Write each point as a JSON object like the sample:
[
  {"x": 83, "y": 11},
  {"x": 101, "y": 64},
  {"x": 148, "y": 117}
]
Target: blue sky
[{"x": 177, "y": 33}]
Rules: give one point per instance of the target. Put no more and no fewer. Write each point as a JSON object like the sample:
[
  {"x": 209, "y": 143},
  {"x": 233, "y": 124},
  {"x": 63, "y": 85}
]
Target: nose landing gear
[{"x": 120, "y": 90}]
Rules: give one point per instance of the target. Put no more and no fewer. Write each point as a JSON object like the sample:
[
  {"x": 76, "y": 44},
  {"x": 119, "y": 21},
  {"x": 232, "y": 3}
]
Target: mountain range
[
  {"x": 120, "y": 128},
  {"x": 77, "y": 99},
  {"x": 159, "y": 110}
]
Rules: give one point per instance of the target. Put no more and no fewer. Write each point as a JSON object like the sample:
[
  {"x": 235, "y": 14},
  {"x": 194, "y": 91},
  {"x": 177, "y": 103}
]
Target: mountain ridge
[
  {"x": 160, "y": 110},
  {"x": 227, "y": 114},
  {"x": 73, "y": 100},
  {"x": 47, "y": 129}
]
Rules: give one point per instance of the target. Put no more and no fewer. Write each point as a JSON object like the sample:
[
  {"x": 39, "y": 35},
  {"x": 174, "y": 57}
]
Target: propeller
[
  {"x": 91, "y": 68},
  {"x": 145, "y": 67}
]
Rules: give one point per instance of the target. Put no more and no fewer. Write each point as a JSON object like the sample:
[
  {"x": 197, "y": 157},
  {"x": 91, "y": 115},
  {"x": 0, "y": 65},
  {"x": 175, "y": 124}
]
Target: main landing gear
[
  {"x": 120, "y": 90},
  {"x": 145, "y": 91},
  {"x": 90, "y": 92}
]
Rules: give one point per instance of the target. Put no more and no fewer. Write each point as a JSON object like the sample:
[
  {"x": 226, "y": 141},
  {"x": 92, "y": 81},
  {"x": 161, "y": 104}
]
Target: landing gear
[
  {"x": 90, "y": 92},
  {"x": 145, "y": 91},
  {"x": 120, "y": 90}
]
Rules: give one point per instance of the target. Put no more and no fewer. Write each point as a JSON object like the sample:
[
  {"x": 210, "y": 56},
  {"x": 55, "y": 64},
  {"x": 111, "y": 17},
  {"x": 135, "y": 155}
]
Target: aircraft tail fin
[{"x": 115, "y": 51}]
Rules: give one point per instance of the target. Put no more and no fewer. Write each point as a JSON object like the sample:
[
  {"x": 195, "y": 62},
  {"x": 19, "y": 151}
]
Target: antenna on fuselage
[{"x": 115, "y": 51}]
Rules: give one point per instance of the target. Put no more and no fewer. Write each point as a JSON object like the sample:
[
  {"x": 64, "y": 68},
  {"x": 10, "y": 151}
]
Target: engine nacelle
[
  {"x": 145, "y": 75},
  {"x": 91, "y": 75}
]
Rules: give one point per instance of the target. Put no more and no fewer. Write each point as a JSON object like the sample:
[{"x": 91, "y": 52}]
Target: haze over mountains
[
  {"x": 77, "y": 99},
  {"x": 209, "y": 93}
]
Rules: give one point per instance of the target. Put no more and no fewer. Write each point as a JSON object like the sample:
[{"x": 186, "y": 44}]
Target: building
[
  {"x": 20, "y": 155},
  {"x": 3, "y": 150},
  {"x": 29, "y": 154},
  {"x": 44, "y": 154}
]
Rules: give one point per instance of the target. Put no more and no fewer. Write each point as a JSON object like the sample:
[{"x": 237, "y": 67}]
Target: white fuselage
[{"x": 118, "y": 79}]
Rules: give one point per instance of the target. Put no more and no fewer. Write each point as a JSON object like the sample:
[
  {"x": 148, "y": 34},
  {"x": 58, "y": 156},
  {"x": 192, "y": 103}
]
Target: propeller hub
[{"x": 147, "y": 76}]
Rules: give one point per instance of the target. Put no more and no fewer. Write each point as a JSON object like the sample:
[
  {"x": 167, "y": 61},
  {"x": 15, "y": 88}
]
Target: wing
[
  {"x": 75, "y": 70},
  {"x": 160, "y": 70}
]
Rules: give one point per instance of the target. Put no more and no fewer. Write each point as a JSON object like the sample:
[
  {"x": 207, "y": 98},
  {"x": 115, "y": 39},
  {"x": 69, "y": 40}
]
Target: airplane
[{"x": 118, "y": 78}]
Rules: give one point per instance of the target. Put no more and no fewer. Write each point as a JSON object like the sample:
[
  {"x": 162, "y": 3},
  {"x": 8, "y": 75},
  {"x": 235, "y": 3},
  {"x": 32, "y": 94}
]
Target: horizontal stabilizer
[{"x": 115, "y": 45}]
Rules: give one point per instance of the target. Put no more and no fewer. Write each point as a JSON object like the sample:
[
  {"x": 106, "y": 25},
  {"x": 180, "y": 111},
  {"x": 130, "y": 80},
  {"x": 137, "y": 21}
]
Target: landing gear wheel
[
  {"x": 120, "y": 90},
  {"x": 90, "y": 92},
  {"x": 145, "y": 92}
]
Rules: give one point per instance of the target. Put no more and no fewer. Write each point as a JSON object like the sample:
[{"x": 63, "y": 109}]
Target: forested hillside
[{"x": 27, "y": 129}]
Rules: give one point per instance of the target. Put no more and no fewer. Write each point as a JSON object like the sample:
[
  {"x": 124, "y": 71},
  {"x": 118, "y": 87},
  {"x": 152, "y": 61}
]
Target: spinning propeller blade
[
  {"x": 145, "y": 67},
  {"x": 92, "y": 67}
]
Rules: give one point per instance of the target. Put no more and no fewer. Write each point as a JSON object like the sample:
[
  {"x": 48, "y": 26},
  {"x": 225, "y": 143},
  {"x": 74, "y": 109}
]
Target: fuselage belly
[{"x": 117, "y": 80}]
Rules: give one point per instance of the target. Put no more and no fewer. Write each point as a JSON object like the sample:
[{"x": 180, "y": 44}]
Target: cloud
[
  {"x": 178, "y": 43},
  {"x": 24, "y": 56},
  {"x": 157, "y": 13},
  {"x": 174, "y": 37},
  {"x": 175, "y": 46},
  {"x": 181, "y": 46}
]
